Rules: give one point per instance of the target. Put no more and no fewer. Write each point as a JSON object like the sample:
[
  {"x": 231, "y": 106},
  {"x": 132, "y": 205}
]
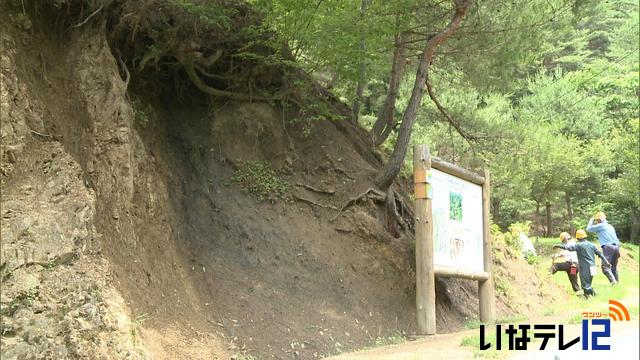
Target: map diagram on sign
[{"x": 457, "y": 223}]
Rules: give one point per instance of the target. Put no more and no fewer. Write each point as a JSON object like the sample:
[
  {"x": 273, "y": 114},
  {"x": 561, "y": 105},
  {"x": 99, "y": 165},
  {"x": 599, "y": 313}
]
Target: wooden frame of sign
[{"x": 425, "y": 269}]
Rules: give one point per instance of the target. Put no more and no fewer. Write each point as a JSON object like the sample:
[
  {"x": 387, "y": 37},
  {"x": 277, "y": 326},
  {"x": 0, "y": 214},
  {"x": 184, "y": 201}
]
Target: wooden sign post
[
  {"x": 486, "y": 291},
  {"x": 425, "y": 275},
  {"x": 425, "y": 269}
]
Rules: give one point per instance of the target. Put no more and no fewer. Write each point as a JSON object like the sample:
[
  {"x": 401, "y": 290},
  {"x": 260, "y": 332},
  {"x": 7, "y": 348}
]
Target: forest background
[{"x": 544, "y": 93}]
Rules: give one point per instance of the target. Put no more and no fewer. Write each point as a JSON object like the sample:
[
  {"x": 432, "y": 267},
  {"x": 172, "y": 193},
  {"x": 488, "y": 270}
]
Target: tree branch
[{"x": 446, "y": 115}]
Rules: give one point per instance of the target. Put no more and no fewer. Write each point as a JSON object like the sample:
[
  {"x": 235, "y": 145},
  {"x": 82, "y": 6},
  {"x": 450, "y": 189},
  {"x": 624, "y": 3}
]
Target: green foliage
[
  {"x": 511, "y": 238},
  {"x": 518, "y": 228},
  {"x": 323, "y": 35},
  {"x": 318, "y": 111},
  {"x": 260, "y": 180},
  {"x": 560, "y": 122},
  {"x": 473, "y": 324},
  {"x": 531, "y": 259},
  {"x": 208, "y": 12},
  {"x": 503, "y": 288}
]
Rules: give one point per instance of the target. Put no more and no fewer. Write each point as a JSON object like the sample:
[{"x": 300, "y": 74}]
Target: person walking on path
[
  {"x": 586, "y": 252},
  {"x": 608, "y": 241},
  {"x": 567, "y": 261}
]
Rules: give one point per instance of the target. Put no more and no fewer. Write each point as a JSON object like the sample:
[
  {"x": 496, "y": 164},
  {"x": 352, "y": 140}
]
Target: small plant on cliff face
[
  {"x": 50, "y": 265},
  {"x": 135, "y": 325},
  {"x": 140, "y": 113},
  {"x": 24, "y": 299},
  {"x": 260, "y": 180}
]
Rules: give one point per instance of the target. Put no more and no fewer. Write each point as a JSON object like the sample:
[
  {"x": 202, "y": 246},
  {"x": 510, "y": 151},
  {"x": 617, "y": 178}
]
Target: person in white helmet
[{"x": 567, "y": 261}]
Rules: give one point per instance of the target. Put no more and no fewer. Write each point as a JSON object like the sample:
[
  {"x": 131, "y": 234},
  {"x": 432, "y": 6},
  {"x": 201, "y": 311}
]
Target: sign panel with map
[{"x": 457, "y": 223}]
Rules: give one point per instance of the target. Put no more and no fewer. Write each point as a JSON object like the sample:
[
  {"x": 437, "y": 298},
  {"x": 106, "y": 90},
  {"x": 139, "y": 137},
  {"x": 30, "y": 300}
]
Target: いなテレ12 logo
[{"x": 595, "y": 330}]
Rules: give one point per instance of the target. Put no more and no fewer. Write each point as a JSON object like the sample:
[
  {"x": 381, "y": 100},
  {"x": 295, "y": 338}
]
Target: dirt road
[{"x": 445, "y": 346}]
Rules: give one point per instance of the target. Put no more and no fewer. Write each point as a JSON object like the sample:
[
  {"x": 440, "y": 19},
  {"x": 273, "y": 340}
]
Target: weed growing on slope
[{"x": 261, "y": 181}]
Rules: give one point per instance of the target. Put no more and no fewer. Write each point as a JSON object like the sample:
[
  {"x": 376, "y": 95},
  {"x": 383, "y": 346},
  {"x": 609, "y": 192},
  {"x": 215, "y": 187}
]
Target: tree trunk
[
  {"x": 386, "y": 120},
  {"x": 390, "y": 171},
  {"x": 355, "y": 110},
  {"x": 547, "y": 233},
  {"x": 538, "y": 219},
  {"x": 634, "y": 233},
  {"x": 495, "y": 204},
  {"x": 567, "y": 199}
]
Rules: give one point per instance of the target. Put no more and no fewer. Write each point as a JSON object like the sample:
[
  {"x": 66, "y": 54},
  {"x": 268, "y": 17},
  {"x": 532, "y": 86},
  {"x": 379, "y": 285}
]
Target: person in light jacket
[
  {"x": 609, "y": 242},
  {"x": 567, "y": 261}
]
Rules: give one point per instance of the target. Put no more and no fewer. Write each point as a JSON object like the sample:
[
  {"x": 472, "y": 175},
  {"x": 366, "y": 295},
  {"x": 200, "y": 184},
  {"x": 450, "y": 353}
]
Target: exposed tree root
[
  {"x": 127, "y": 75},
  {"x": 197, "y": 81},
  {"x": 89, "y": 17},
  {"x": 371, "y": 193},
  {"x": 391, "y": 212},
  {"x": 44, "y": 69},
  {"x": 48, "y": 136},
  {"x": 314, "y": 189},
  {"x": 311, "y": 202}
]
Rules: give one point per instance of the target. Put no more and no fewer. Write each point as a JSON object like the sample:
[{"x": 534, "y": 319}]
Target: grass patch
[
  {"x": 472, "y": 324},
  {"x": 512, "y": 319},
  {"x": 261, "y": 181},
  {"x": 573, "y": 306},
  {"x": 473, "y": 341},
  {"x": 575, "y": 319},
  {"x": 475, "y": 323},
  {"x": 630, "y": 247},
  {"x": 502, "y": 287}
]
